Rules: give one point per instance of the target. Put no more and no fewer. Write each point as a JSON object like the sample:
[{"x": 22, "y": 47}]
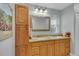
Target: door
[
  {"x": 60, "y": 47},
  {"x": 21, "y": 13},
  {"x": 51, "y": 48}
]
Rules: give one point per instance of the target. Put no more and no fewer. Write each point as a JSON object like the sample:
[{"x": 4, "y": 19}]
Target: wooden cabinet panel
[
  {"x": 51, "y": 49},
  {"x": 57, "y": 51},
  {"x": 62, "y": 47},
  {"x": 35, "y": 43},
  {"x": 21, "y": 14},
  {"x": 21, "y": 50},
  {"x": 21, "y": 36},
  {"x": 43, "y": 43},
  {"x": 59, "y": 48},
  {"x": 43, "y": 50},
  {"x": 67, "y": 44},
  {"x": 35, "y": 51},
  {"x": 39, "y": 48}
]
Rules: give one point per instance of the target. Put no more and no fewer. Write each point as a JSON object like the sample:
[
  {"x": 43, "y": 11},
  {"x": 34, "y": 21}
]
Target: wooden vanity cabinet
[{"x": 58, "y": 47}]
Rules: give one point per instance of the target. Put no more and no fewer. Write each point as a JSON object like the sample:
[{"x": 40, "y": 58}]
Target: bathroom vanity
[
  {"x": 37, "y": 46},
  {"x": 50, "y": 46},
  {"x": 45, "y": 46}
]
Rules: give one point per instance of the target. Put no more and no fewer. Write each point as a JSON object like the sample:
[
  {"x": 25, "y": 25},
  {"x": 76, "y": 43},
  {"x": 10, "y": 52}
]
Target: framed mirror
[
  {"x": 5, "y": 21},
  {"x": 40, "y": 23}
]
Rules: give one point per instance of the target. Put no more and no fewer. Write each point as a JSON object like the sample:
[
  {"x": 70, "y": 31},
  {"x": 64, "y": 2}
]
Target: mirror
[
  {"x": 40, "y": 23},
  {"x": 5, "y": 22}
]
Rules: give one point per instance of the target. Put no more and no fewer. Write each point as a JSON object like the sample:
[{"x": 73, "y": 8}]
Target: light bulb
[
  {"x": 45, "y": 10},
  {"x": 41, "y": 10},
  {"x": 36, "y": 9}
]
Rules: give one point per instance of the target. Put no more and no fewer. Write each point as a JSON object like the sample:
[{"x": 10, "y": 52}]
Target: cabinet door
[
  {"x": 35, "y": 51},
  {"x": 62, "y": 47},
  {"x": 57, "y": 53},
  {"x": 21, "y": 35},
  {"x": 21, "y": 14},
  {"x": 43, "y": 50},
  {"x": 51, "y": 48},
  {"x": 59, "y": 47},
  {"x": 39, "y": 48},
  {"x": 21, "y": 50}
]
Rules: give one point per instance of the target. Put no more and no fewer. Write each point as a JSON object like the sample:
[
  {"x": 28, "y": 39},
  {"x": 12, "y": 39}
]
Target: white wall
[
  {"x": 67, "y": 23},
  {"x": 7, "y": 47}
]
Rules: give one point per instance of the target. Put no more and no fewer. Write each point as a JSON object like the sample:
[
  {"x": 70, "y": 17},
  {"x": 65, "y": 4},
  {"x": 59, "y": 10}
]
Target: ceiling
[{"x": 57, "y": 6}]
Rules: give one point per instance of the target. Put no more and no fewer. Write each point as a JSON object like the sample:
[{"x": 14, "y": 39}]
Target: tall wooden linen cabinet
[{"x": 21, "y": 16}]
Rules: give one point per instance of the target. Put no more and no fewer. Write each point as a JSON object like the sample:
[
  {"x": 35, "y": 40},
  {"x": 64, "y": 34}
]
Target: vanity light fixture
[{"x": 41, "y": 11}]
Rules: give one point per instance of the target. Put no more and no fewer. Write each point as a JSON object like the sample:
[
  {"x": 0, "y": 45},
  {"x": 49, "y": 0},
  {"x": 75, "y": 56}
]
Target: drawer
[
  {"x": 35, "y": 51},
  {"x": 21, "y": 50},
  {"x": 39, "y": 43}
]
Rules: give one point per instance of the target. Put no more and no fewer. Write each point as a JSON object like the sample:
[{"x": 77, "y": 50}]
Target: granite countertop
[{"x": 36, "y": 39}]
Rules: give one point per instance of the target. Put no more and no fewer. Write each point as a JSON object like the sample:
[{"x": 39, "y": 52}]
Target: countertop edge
[{"x": 31, "y": 40}]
